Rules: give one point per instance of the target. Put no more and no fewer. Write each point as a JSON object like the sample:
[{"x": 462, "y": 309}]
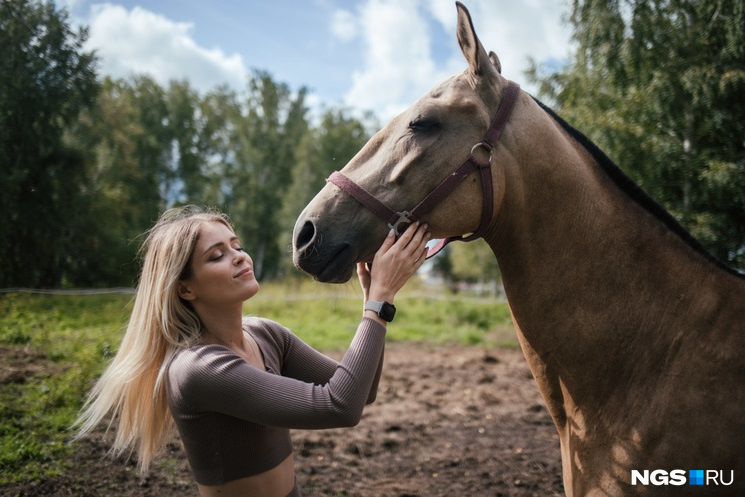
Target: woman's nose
[{"x": 240, "y": 256}]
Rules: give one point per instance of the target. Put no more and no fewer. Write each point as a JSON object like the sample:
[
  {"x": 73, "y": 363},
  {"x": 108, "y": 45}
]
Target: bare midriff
[{"x": 276, "y": 482}]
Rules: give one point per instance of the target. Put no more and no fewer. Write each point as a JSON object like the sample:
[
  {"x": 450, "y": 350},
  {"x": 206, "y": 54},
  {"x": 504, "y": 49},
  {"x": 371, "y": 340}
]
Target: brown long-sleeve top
[{"x": 234, "y": 419}]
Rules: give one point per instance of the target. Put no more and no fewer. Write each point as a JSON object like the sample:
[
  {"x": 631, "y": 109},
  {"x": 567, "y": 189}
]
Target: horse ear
[
  {"x": 495, "y": 60},
  {"x": 472, "y": 49}
]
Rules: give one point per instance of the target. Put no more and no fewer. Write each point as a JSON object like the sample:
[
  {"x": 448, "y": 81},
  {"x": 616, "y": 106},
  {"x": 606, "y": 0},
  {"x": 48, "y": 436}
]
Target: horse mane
[{"x": 635, "y": 192}]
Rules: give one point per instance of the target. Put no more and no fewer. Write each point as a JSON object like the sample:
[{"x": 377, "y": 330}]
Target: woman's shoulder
[
  {"x": 274, "y": 340},
  {"x": 196, "y": 362},
  {"x": 267, "y": 328}
]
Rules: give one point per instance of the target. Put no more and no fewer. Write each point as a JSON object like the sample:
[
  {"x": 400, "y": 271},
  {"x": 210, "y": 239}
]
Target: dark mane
[{"x": 635, "y": 192}]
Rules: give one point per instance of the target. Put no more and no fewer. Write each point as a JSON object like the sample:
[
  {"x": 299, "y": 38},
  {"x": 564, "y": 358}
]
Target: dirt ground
[{"x": 449, "y": 421}]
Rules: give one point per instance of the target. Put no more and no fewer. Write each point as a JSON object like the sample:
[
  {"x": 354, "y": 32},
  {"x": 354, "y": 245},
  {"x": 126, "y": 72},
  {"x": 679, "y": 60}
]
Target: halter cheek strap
[{"x": 399, "y": 221}]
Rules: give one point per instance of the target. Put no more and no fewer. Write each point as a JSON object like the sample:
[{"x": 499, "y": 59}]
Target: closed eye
[{"x": 424, "y": 125}]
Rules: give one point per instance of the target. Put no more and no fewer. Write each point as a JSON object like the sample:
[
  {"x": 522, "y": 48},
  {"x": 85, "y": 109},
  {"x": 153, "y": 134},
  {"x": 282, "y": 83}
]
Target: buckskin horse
[{"x": 634, "y": 334}]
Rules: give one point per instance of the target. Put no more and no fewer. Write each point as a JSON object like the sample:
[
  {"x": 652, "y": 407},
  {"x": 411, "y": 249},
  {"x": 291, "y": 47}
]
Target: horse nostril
[{"x": 305, "y": 236}]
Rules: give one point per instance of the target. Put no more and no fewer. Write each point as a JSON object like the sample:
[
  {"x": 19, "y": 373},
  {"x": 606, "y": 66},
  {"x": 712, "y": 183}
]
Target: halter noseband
[{"x": 398, "y": 221}]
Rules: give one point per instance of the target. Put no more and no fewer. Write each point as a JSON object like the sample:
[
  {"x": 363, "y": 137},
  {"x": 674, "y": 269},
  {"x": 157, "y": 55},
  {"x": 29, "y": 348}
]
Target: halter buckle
[
  {"x": 403, "y": 218},
  {"x": 486, "y": 147}
]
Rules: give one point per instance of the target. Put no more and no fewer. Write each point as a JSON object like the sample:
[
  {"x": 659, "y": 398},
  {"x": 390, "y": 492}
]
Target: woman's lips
[{"x": 244, "y": 272}]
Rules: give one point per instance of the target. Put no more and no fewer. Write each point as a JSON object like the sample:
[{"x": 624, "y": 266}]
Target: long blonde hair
[{"x": 133, "y": 387}]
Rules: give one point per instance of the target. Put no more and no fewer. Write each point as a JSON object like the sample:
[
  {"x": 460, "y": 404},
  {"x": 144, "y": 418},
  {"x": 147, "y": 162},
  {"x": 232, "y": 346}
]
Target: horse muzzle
[{"x": 327, "y": 258}]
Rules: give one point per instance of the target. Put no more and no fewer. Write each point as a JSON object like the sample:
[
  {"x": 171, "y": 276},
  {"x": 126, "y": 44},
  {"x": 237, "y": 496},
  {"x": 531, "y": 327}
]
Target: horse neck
[{"x": 586, "y": 269}]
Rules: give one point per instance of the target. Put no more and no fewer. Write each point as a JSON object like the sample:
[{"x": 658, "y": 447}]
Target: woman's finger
[
  {"x": 408, "y": 234},
  {"x": 389, "y": 241},
  {"x": 419, "y": 239},
  {"x": 411, "y": 238}
]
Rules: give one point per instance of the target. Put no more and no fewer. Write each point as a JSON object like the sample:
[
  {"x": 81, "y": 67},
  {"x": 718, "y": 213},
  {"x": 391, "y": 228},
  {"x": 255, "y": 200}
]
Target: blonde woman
[{"x": 234, "y": 385}]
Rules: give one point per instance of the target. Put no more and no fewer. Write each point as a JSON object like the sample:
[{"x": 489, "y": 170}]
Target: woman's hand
[{"x": 394, "y": 263}]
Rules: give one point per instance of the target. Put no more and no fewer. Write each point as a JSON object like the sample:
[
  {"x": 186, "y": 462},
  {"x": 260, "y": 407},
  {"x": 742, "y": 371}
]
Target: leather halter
[{"x": 399, "y": 221}]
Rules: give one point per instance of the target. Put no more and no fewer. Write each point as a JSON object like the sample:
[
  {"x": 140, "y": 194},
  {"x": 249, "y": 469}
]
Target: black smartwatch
[{"x": 384, "y": 310}]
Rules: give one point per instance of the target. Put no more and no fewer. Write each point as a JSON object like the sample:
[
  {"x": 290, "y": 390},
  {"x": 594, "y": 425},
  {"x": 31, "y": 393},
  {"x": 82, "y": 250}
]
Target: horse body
[{"x": 635, "y": 337}]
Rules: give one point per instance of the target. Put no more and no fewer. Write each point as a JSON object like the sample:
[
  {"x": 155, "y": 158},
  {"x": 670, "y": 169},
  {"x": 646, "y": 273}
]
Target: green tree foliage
[
  {"x": 88, "y": 165},
  {"x": 217, "y": 111},
  {"x": 111, "y": 216},
  {"x": 471, "y": 262},
  {"x": 267, "y": 129},
  {"x": 658, "y": 85},
  {"x": 46, "y": 79},
  {"x": 153, "y": 148},
  {"x": 189, "y": 146},
  {"x": 322, "y": 150}
]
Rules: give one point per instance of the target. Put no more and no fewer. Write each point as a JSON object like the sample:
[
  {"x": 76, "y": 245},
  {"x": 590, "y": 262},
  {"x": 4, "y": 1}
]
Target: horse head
[{"x": 405, "y": 161}]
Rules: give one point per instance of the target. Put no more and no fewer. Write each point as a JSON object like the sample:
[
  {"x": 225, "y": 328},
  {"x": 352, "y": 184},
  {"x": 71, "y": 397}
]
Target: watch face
[{"x": 387, "y": 311}]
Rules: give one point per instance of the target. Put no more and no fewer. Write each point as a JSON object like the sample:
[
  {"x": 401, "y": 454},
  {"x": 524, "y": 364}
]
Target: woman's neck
[{"x": 222, "y": 326}]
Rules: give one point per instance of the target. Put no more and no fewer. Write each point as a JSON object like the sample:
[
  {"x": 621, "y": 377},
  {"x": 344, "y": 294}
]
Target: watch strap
[{"x": 384, "y": 310}]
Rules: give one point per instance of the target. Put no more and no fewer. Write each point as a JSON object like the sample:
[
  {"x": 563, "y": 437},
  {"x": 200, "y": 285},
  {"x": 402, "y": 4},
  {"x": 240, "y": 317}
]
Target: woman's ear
[{"x": 184, "y": 291}]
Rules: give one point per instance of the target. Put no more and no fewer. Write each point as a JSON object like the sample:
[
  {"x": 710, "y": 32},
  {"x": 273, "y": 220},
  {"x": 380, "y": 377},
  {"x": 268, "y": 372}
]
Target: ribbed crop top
[{"x": 234, "y": 419}]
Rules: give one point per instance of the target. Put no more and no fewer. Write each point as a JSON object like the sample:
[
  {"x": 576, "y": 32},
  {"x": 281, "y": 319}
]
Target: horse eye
[{"x": 424, "y": 125}]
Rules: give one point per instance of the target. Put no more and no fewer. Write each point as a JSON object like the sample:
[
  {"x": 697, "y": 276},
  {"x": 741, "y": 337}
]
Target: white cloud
[
  {"x": 518, "y": 30},
  {"x": 393, "y": 51},
  {"x": 344, "y": 26},
  {"x": 398, "y": 63},
  {"x": 70, "y": 5},
  {"x": 139, "y": 41}
]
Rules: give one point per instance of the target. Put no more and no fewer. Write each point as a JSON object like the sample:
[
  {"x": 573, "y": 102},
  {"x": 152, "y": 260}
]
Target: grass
[
  {"x": 325, "y": 316},
  {"x": 52, "y": 347}
]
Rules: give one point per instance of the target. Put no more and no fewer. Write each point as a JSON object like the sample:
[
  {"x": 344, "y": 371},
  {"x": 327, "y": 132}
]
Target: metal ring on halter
[
  {"x": 486, "y": 147},
  {"x": 403, "y": 217}
]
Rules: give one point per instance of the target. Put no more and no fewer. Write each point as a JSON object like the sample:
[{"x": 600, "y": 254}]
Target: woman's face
[{"x": 222, "y": 272}]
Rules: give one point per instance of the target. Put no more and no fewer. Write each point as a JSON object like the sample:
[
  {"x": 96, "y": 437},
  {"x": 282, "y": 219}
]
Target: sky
[{"x": 366, "y": 55}]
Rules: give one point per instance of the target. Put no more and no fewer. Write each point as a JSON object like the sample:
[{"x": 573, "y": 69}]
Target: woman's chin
[{"x": 252, "y": 290}]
